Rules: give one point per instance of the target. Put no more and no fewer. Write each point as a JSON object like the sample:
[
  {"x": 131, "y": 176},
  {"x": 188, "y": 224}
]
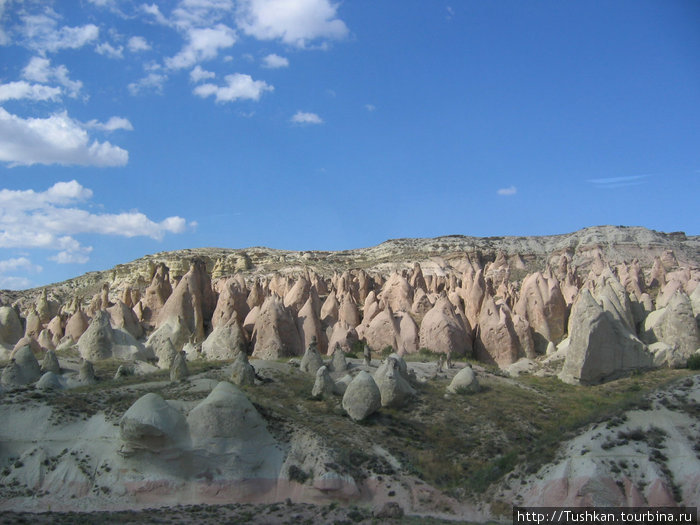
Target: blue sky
[{"x": 132, "y": 127}]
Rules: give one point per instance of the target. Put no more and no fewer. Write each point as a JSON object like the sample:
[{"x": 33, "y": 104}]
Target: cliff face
[{"x": 616, "y": 244}]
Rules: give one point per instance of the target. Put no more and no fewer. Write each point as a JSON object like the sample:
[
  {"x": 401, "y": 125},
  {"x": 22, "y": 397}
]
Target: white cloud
[
  {"x": 39, "y": 70},
  {"x": 370, "y": 107},
  {"x": 203, "y": 44},
  {"x": 78, "y": 257},
  {"x": 14, "y": 283},
  {"x": 238, "y": 86},
  {"x": 510, "y": 190},
  {"x": 57, "y": 139},
  {"x": 41, "y": 32},
  {"x": 137, "y": 44},
  {"x": 50, "y": 219},
  {"x": 610, "y": 183},
  {"x": 301, "y": 117},
  {"x": 154, "y": 11},
  {"x": 109, "y": 51},
  {"x": 113, "y": 124},
  {"x": 152, "y": 81},
  {"x": 19, "y": 263},
  {"x": 24, "y": 90},
  {"x": 295, "y": 22},
  {"x": 198, "y": 74},
  {"x": 274, "y": 61}
]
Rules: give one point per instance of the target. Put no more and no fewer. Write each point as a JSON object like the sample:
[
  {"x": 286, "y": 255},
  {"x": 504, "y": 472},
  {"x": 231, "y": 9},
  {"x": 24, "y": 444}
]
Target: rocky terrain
[{"x": 449, "y": 378}]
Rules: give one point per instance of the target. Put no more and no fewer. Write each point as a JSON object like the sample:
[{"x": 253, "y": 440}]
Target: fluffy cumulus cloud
[
  {"x": 294, "y": 22},
  {"x": 110, "y": 51},
  {"x": 57, "y": 139},
  {"x": 41, "y": 32},
  {"x": 237, "y": 87},
  {"x": 39, "y": 70},
  {"x": 302, "y": 117},
  {"x": 51, "y": 220},
  {"x": 113, "y": 124},
  {"x": 506, "y": 192},
  {"x": 137, "y": 44},
  {"x": 274, "y": 61},
  {"x": 203, "y": 44},
  {"x": 24, "y": 90},
  {"x": 198, "y": 74}
]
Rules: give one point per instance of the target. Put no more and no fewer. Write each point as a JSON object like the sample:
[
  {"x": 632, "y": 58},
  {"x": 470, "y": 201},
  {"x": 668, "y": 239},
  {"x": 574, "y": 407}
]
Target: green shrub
[
  {"x": 387, "y": 351},
  {"x": 693, "y": 362}
]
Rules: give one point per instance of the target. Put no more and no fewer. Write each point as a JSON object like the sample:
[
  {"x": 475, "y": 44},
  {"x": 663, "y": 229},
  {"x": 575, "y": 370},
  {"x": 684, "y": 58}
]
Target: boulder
[
  {"x": 226, "y": 341},
  {"x": 601, "y": 347},
  {"x": 323, "y": 385},
  {"x": 464, "y": 382},
  {"x": 242, "y": 372},
  {"x": 362, "y": 397},
  {"x": 152, "y": 424},
  {"x": 394, "y": 388}
]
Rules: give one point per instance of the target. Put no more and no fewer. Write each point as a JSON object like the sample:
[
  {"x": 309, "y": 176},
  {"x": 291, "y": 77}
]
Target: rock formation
[
  {"x": 226, "y": 341},
  {"x": 101, "y": 341},
  {"x": 178, "y": 368},
  {"x": 50, "y": 363},
  {"x": 275, "y": 333},
  {"x": 192, "y": 300},
  {"x": 392, "y": 380},
  {"x": 323, "y": 385},
  {"x": 542, "y": 304},
  {"x": 242, "y": 372},
  {"x": 362, "y": 397},
  {"x": 464, "y": 381},
  {"x": 153, "y": 425},
  {"x": 311, "y": 361},
  {"x": 600, "y": 346},
  {"x": 10, "y": 326},
  {"x": 443, "y": 331}
]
